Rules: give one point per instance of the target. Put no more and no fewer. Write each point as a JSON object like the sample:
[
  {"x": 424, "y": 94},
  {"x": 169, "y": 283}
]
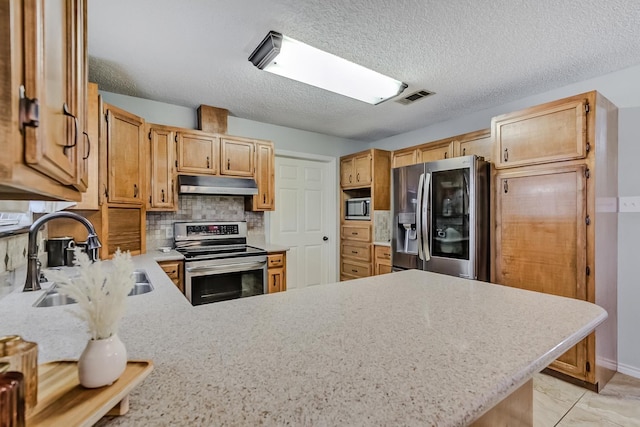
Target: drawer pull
[
  {"x": 354, "y": 271},
  {"x": 354, "y": 252},
  {"x": 354, "y": 233}
]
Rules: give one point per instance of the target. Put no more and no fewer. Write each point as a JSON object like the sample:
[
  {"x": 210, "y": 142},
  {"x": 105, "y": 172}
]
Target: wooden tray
[{"x": 62, "y": 401}]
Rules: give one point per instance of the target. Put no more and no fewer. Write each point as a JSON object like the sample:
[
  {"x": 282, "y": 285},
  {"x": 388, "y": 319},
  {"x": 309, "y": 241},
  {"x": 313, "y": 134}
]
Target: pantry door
[{"x": 305, "y": 217}]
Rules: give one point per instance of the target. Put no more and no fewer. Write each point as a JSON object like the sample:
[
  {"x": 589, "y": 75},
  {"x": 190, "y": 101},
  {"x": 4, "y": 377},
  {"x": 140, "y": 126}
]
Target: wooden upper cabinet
[
  {"x": 542, "y": 134},
  {"x": 125, "y": 156},
  {"x": 198, "y": 153},
  {"x": 51, "y": 60},
  {"x": 479, "y": 143},
  {"x": 437, "y": 150},
  {"x": 404, "y": 157},
  {"x": 355, "y": 171},
  {"x": 162, "y": 147},
  {"x": 265, "y": 178},
  {"x": 236, "y": 156}
]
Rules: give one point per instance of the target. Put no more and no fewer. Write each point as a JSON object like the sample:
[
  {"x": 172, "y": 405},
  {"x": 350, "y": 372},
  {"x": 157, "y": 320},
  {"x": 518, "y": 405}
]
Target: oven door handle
[{"x": 228, "y": 268}]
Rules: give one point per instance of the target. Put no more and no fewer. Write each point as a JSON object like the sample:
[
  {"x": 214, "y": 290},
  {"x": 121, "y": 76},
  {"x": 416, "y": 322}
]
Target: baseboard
[{"x": 632, "y": 371}]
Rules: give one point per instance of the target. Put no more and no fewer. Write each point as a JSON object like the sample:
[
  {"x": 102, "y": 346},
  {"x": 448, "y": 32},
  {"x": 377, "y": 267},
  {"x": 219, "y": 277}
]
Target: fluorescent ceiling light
[{"x": 295, "y": 60}]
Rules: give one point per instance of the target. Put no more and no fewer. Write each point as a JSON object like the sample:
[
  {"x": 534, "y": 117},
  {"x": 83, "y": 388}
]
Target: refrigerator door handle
[
  {"x": 419, "y": 216},
  {"x": 424, "y": 217}
]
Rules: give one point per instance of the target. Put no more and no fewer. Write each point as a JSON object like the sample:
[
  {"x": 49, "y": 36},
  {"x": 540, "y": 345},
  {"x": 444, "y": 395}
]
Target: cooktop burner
[{"x": 211, "y": 240}]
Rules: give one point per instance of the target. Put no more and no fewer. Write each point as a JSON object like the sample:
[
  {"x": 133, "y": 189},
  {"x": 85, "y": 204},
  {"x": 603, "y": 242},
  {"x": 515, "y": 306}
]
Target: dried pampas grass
[{"x": 101, "y": 295}]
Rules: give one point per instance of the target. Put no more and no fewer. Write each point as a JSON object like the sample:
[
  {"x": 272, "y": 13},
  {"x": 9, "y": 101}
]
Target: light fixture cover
[{"x": 295, "y": 60}]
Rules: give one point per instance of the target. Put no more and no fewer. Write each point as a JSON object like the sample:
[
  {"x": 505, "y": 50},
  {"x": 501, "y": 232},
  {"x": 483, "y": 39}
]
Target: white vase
[{"x": 102, "y": 362}]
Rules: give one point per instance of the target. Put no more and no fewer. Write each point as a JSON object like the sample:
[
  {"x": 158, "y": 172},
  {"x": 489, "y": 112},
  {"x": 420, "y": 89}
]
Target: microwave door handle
[
  {"x": 418, "y": 216},
  {"x": 425, "y": 218},
  {"x": 365, "y": 211}
]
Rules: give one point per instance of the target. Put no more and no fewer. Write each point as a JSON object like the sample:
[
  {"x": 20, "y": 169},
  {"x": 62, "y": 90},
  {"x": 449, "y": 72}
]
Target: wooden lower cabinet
[
  {"x": 175, "y": 271},
  {"x": 276, "y": 272},
  {"x": 382, "y": 259},
  {"x": 356, "y": 258}
]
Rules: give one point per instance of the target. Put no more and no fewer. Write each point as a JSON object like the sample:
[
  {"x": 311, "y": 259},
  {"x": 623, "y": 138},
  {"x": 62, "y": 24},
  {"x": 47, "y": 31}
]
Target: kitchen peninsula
[{"x": 398, "y": 349}]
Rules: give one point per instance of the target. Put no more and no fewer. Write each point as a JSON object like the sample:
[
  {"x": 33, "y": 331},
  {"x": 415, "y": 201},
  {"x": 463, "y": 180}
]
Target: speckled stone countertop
[{"x": 407, "y": 348}]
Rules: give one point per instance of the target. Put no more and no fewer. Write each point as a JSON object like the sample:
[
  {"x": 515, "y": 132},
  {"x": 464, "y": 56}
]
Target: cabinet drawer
[
  {"x": 355, "y": 269},
  {"x": 361, "y": 233},
  {"x": 276, "y": 260},
  {"x": 172, "y": 269},
  {"x": 383, "y": 254},
  {"x": 358, "y": 251}
]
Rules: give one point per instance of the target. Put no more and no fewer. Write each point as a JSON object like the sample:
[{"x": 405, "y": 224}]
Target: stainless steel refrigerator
[{"x": 441, "y": 217}]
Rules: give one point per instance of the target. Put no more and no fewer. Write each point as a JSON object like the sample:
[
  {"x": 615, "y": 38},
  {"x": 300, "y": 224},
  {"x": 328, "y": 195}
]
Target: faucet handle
[{"x": 41, "y": 276}]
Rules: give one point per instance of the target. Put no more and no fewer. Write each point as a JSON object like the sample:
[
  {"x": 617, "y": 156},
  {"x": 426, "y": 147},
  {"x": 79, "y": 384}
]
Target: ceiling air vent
[{"x": 415, "y": 96}]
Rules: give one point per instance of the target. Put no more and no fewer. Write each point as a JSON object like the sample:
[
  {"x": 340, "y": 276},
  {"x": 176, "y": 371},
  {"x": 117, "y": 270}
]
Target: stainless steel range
[{"x": 219, "y": 265}]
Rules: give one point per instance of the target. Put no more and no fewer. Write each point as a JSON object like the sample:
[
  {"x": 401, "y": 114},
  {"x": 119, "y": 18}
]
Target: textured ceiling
[{"x": 473, "y": 54}]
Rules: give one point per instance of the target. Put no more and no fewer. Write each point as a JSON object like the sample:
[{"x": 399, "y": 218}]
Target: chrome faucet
[{"x": 33, "y": 264}]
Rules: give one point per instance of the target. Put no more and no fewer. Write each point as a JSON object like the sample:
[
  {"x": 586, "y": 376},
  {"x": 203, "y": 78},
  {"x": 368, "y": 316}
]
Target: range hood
[{"x": 217, "y": 185}]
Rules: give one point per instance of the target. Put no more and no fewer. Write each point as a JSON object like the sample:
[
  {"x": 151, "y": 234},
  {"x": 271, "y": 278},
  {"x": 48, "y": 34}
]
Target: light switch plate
[
  {"x": 168, "y": 232},
  {"x": 630, "y": 204}
]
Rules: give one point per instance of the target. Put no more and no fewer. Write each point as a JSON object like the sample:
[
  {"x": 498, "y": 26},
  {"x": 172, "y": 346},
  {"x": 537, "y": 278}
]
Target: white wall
[
  {"x": 623, "y": 89},
  {"x": 629, "y": 244},
  {"x": 284, "y": 138}
]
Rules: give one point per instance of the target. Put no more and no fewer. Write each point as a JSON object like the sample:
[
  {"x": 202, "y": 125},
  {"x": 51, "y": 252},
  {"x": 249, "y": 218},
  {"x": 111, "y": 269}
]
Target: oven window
[{"x": 226, "y": 286}]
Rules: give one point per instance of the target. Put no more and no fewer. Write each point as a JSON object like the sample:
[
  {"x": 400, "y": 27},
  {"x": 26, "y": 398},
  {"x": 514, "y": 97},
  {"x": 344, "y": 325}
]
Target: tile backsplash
[
  {"x": 381, "y": 226},
  {"x": 200, "y": 208}
]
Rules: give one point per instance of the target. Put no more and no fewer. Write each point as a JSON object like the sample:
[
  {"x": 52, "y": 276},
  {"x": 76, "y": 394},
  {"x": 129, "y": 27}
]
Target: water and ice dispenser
[{"x": 407, "y": 236}]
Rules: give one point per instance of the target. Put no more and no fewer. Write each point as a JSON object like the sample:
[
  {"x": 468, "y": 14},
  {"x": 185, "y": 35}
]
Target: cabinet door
[
  {"x": 362, "y": 166},
  {"x": 161, "y": 179},
  {"x": 275, "y": 279},
  {"x": 82, "y": 95},
  {"x": 174, "y": 269},
  {"x": 49, "y": 54},
  {"x": 481, "y": 145},
  {"x": 347, "y": 178},
  {"x": 404, "y": 158},
  {"x": 438, "y": 152},
  {"x": 542, "y": 134},
  {"x": 236, "y": 157},
  {"x": 198, "y": 153},
  {"x": 125, "y": 156},
  {"x": 541, "y": 239},
  {"x": 265, "y": 177}
]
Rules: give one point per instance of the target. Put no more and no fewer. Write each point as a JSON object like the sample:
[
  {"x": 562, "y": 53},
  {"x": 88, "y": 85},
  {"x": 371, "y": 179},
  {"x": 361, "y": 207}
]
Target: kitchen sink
[{"x": 53, "y": 297}]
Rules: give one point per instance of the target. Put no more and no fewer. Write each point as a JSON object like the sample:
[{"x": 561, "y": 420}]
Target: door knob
[{"x": 325, "y": 238}]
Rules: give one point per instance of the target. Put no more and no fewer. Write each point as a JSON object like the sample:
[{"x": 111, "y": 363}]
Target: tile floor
[{"x": 557, "y": 403}]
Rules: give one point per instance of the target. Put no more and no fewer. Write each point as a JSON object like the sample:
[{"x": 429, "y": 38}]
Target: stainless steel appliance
[
  {"x": 219, "y": 265},
  {"x": 358, "y": 208},
  {"x": 441, "y": 217}
]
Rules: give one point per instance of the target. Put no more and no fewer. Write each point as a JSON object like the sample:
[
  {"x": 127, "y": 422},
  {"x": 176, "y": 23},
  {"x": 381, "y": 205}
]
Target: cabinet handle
[
  {"x": 505, "y": 185},
  {"x": 106, "y": 191},
  {"x": 150, "y": 200},
  {"x": 65, "y": 110},
  {"x": 464, "y": 151},
  {"x": 358, "y": 177},
  {"x": 135, "y": 190},
  {"x": 172, "y": 189},
  {"x": 349, "y": 178},
  {"x": 446, "y": 154},
  {"x": 228, "y": 164},
  {"x": 88, "y": 145},
  {"x": 506, "y": 154},
  {"x": 354, "y": 252},
  {"x": 162, "y": 192},
  {"x": 354, "y": 271},
  {"x": 208, "y": 164},
  {"x": 264, "y": 198}
]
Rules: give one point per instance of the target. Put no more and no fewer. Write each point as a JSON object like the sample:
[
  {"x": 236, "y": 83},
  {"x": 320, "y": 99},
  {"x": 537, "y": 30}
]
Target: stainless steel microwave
[{"x": 358, "y": 208}]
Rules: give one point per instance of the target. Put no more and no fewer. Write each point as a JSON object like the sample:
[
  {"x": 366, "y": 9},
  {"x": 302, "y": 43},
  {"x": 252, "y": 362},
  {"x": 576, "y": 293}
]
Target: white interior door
[{"x": 305, "y": 218}]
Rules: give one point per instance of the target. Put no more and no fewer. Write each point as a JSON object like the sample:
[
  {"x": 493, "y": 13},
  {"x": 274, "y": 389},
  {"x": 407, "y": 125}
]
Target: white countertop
[
  {"x": 398, "y": 349},
  {"x": 380, "y": 243}
]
